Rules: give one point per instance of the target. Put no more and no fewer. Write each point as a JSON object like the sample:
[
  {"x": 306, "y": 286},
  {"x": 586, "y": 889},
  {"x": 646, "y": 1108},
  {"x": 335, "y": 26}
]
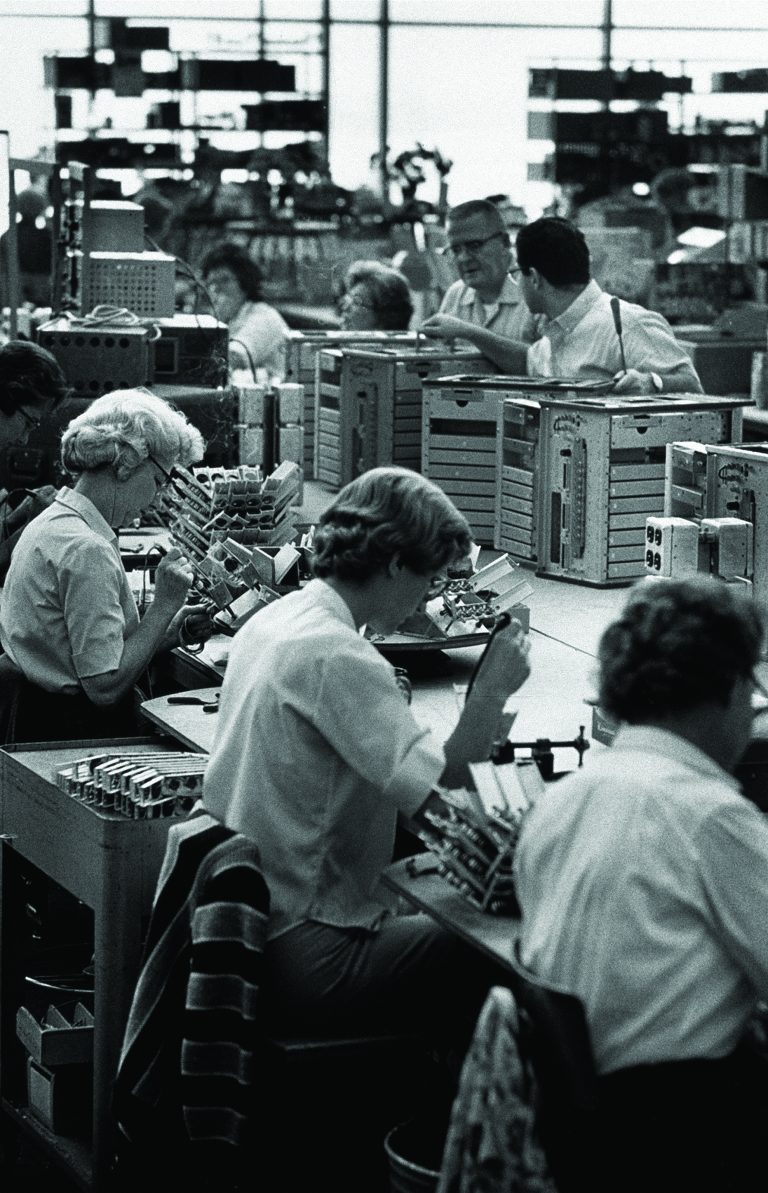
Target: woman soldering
[
  {"x": 68, "y": 620},
  {"x": 317, "y": 752},
  {"x": 31, "y": 385}
]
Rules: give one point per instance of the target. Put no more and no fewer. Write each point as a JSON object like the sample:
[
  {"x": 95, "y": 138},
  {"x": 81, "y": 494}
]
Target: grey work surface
[
  {"x": 566, "y": 622},
  {"x": 433, "y": 894}
]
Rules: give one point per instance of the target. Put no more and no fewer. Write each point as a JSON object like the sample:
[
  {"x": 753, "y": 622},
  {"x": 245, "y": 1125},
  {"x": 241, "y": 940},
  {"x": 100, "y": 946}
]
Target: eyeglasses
[
  {"x": 32, "y": 422},
  {"x": 456, "y": 248},
  {"x": 168, "y": 476},
  {"x": 437, "y": 586},
  {"x": 352, "y": 300},
  {"x": 761, "y": 692}
]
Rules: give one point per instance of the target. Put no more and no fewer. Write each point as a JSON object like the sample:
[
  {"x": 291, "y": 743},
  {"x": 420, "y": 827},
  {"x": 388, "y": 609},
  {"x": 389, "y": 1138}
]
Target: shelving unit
[
  {"x": 110, "y": 864},
  {"x": 135, "y": 62}
]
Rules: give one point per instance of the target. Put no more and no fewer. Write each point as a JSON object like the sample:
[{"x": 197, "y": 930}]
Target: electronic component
[
  {"x": 301, "y": 351},
  {"x": 369, "y": 406},
  {"x": 140, "y": 786},
  {"x": 98, "y": 357},
  {"x": 603, "y": 474},
  {"x": 737, "y": 487},
  {"x": 728, "y": 543},
  {"x": 141, "y": 282},
  {"x": 190, "y": 350},
  {"x": 671, "y": 547},
  {"x": 220, "y": 517},
  {"x": 685, "y": 492},
  {"x": 461, "y": 426},
  {"x": 474, "y": 839}
]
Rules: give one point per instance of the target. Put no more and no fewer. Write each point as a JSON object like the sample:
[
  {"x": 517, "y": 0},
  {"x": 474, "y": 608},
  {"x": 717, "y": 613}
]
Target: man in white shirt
[
  {"x": 643, "y": 884},
  {"x": 584, "y": 332},
  {"x": 485, "y": 307}
]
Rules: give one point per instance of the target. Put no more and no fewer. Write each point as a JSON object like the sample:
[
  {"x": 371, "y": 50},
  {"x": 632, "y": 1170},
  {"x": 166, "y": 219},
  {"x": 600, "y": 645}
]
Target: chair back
[
  {"x": 554, "y": 1039},
  {"x": 11, "y": 680}
]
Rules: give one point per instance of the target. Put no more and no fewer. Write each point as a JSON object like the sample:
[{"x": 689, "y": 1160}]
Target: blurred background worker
[
  {"x": 31, "y": 385},
  {"x": 257, "y": 332},
  {"x": 376, "y": 298},
  {"x": 34, "y": 248}
]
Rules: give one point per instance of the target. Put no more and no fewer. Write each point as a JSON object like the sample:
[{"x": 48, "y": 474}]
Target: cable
[
  {"x": 616, "y": 312},
  {"x": 104, "y": 313},
  {"x": 190, "y": 273},
  {"x": 235, "y": 340}
]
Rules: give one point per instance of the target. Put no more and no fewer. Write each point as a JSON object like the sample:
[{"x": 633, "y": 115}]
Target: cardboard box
[
  {"x": 55, "y": 1039},
  {"x": 60, "y": 1098}
]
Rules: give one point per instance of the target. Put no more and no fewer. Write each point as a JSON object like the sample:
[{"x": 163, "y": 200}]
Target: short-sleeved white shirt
[
  {"x": 583, "y": 342},
  {"x": 66, "y": 607},
  {"x": 264, "y": 333},
  {"x": 316, "y": 751},
  {"x": 511, "y": 317},
  {"x": 643, "y": 883}
]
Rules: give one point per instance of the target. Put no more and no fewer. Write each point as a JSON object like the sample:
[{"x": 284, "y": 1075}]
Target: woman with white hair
[{"x": 68, "y": 620}]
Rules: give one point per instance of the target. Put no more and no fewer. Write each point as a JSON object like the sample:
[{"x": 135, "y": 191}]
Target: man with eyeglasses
[
  {"x": 643, "y": 884},
  {"x": 586, "y": 333},
  {"x": 485, "y": 307}
]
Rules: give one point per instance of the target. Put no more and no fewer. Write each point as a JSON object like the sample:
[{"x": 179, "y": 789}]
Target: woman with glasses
[
  {"x": 317, "y": 752},
  {"x": 68, "y": 621},
  {"x": 257, "y": 332},
  {"x": 31, "y": 385},
  {"x": 376, "y": 298}
]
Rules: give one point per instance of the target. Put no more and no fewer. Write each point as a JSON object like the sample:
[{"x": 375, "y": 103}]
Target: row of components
[{"x": 678, "y": 547}]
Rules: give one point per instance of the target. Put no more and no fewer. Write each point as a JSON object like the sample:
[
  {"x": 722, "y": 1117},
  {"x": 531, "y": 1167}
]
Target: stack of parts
[
  {"x": 139, "y": 786},
  {"x": 222, "y": 517},
  {"x": 475, "y": 839},
  {"x": 472, "y": 605}
]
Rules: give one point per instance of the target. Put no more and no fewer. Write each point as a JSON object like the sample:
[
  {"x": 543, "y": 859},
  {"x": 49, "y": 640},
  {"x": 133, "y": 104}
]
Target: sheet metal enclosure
[
  {"x": 602, "y": 473},
  {"x": 737, "y": 487},
  {"x": 460, "y": 432},
  {"x": 300, "y": 366},
  {"x": 369, "y": 406}
]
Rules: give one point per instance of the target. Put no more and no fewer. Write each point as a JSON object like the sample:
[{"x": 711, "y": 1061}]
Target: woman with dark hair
[
  {"x": 376, "y": 298},
  {"x": 31, "y": 385},
  {"x": 257, "y": 332},
  {"x": 68, "y": 620},
  {"x": 317, "y": 753}
]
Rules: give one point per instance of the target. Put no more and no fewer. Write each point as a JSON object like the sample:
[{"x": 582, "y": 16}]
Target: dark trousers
[
  {"x": 51, "y": 716},
  {"x": 697, "y": 1126},
  {"x": 409, "y": 976}
]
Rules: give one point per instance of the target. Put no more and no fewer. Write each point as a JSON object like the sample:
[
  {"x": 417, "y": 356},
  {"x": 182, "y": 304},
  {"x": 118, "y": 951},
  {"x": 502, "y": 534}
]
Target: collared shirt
[
  {"x": 66, "y": 606},
  {"x": 643, "y": 883},
  {"x": 511, "y": 319},
  {"x": 264, "y": 333},
  {"x": 315, "y": 753},
  {"x": 583, "y": 342}
]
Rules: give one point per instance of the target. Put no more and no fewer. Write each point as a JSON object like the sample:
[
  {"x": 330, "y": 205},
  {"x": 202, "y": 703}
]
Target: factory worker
[
  {"x": 485, "y": 306},
  {"x": 68, "y": 620},
  {"x": 643, "y": 882},
  {"x": 317, "y": 752},
  {"x": 376, "y": 298},
  {"x": 31, "y": 385},
  {"x": 257, "y": 332},
  {"x": 582, "y": 335}
]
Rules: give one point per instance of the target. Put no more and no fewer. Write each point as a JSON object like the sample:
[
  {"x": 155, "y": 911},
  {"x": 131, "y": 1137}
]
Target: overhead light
[{"x": 701, "y": 238}]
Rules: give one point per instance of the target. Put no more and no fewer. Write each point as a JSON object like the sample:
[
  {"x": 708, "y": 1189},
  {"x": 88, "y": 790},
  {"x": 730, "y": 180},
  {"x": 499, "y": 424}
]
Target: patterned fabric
[
  {"x": 491, "y": 1143},
  {"x": 188, "y": 1064}
]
